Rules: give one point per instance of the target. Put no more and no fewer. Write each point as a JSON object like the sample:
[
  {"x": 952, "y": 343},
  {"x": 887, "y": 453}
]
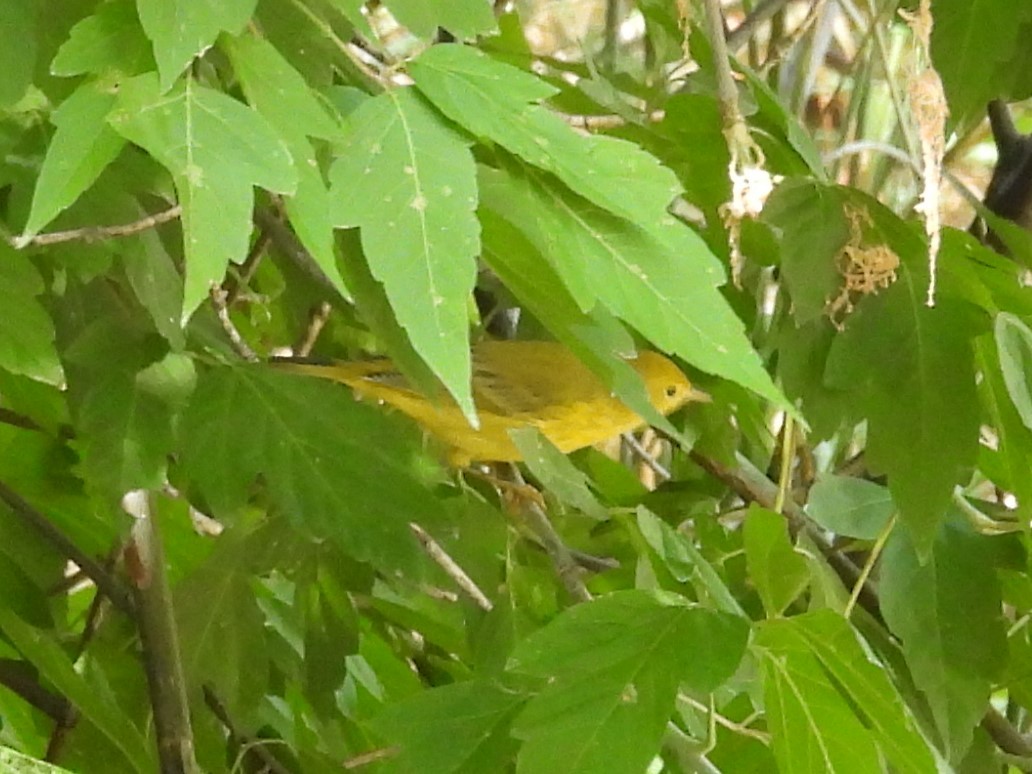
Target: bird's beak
[{"x": 697, "y": 395}]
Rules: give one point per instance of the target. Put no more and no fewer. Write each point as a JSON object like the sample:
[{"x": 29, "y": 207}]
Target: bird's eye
[{"x": 671, "y": 391}]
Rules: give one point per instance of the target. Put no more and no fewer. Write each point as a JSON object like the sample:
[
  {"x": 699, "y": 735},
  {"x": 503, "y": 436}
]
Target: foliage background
[{"x": 834, "y": 578}]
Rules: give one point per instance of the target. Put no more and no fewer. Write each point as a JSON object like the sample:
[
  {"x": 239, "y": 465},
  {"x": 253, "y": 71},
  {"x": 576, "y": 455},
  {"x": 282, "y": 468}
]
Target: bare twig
[
  {"x": 70, "y": 718},
  {"x": 104, "y": 581},
  {"x": 218, "y": 300},
  {"x": 610, "y": 121},
  {"x": 16, "y": 676},
  {"x": 643, "y": 454},
  {"x": 451, "y": 568},
  {"x": 764, "y": 11},
  {"x": 234, "y": 285},
  {"x": 98, "y": 233},
  {"x": 255, "y": 748},
  {"x": 315, "y": 325},
  {"x": 160, "y": 641},
  {"x": 566, "y": 566}
]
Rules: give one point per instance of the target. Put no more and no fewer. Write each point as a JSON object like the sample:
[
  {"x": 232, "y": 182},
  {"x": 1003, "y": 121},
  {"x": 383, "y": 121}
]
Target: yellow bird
[{"x": 516, "y": 384}]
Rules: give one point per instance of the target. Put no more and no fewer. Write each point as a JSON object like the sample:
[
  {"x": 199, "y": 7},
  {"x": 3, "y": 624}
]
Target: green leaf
[
  {"x": 221, "y": 629},
  {"x": 280, "y": 94},
  {"x": 183, "y": 29},
  {"x": 813, "y": 229},
  {"x": 1008, "y": 464},
  {"x": 867, "y": 685},
  {"x": 814, "y": 727},
  {"x": 596, "y": 337},
  {"x": 408, "y": 182},
  {"x": 973, "y": 43},
  {"x": 493, "y": 101},
  {"x": 779, "y": 573},
  {"x": 216, "y": 150},
  {"x": 26, "y": 330},
  {"x": 82, "y": 147},
  {"x": 686, "y": 563},
  {"x": 324, "y": 466},
  {"x": 96, "y": 705},
  {"x": 126, "y": 421},
  {"x": 18, "y": 36},
  {"x": 109, "y": 40},
  {"x": 663, "y": 281},
  {"x": 613, "y": 666},
  {"x": 1014, "y": 348},
  {"x": 462, "y": 18},
  {"x": 556, "y": 473},
  {"x": 911, "y": 368},
  {"x": 12, "y": 762},
  {"x": 850, "y": 506},
  {"x": 946, "y": 610},
  {"x": 474, "y": 717}
]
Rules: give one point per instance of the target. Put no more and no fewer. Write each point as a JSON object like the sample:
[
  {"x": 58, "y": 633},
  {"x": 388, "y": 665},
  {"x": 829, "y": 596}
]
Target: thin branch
[
  {"x": 234, "y": 285},
  {"x": 15, "y": 676},
  {"x": 105, "y": 582},
  {"x": 160, "y": 642},
  {"x": 451, "y": 568},
  {"x": 241, "y": 347},
  {"x": 14, "y": 419},
  {"x": 316, "y": 323},
  {"x": 751, "y": 485},
  {"x": 253, "y": 747},
  {"x": 643, "y": 454},
  {"x": 566, "y": 566},
  {"x": 98, "y": 233},
  {"x": 764, "y": 11}
]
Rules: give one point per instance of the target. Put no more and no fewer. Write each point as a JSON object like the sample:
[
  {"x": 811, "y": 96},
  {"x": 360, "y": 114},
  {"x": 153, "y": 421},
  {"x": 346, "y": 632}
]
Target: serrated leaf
[
  {"x": 324, "y": 468},
  {"x": 462, "y": 18},
  {"x": 850, "y": 506},
  {"x": 281, "y": 95},
  {"x": 13, "y": 762},
  {"x": 18, "y": 36},
  {"x": 26, "y": 330},
  {"x": 613, "y": 666},
  {"x": 686, "y": 563},
  {"x": 946, "y": 609},
  {"x": 81, "y": 148},
  {"x": 778, "y": 572},
  {"x": 663, "y": 282},
  {"x": 474, "y": 717},
  {"x": 973, "y": 42},
  {"x": 408, "y": 182},
  {"x": 813, "y": 229},
  {"x": 99, "y": 707},
  {"x": 596, "y": 337},
  {"x": 183, "y": 29},
  {"x": 221, "y": 629},
  {"x": 109, "y": 40},
  {"x": 911, "y": 368},
  {"x": 495, "y": 101},
  {"x": 216, "y": 149},
  {"x": 867, "y": 684},
  {"x": 813, "y": 728},
  {"x": 557, "y": 474},
  {"x": 1014, "y": 348},
  {"x": 126, "y": 422}
]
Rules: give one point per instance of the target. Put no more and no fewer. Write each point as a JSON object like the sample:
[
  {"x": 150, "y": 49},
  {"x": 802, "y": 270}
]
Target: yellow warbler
[{"x": 516, "y": 384}]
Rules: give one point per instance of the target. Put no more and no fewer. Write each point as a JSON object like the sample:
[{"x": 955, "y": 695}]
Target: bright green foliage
[
  {"x": 409, "y": 183},
  {"x": 216, "y": 150},
  {"x": 824, "y": 567},
  {"x": 946, "y": 611}
]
